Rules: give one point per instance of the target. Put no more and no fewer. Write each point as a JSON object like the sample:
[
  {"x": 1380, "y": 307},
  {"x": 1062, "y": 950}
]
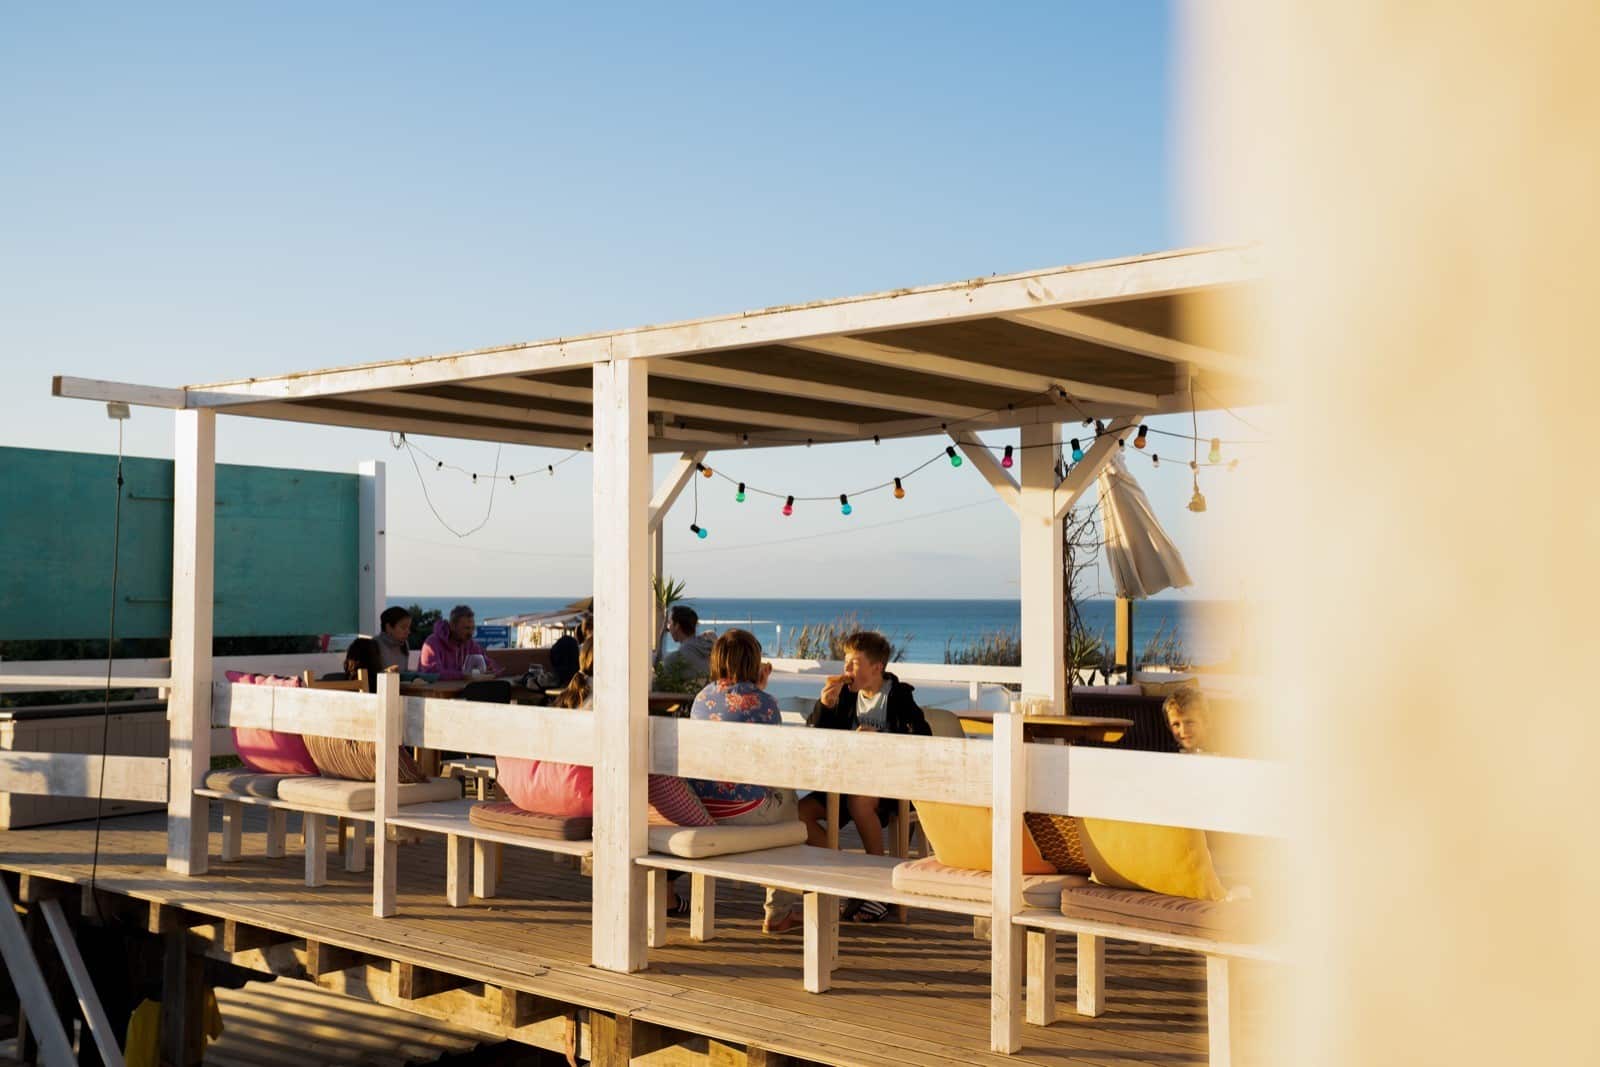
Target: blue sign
[{"x": 493, "y": 636}]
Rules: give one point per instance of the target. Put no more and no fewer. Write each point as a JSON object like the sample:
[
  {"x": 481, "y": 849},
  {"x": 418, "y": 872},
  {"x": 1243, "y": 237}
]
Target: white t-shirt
[{"x": 873, "y": 711}]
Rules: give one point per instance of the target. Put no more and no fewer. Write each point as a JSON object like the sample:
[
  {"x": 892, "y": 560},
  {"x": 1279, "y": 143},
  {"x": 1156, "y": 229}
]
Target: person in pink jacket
[{"x": 445, "y": 653}]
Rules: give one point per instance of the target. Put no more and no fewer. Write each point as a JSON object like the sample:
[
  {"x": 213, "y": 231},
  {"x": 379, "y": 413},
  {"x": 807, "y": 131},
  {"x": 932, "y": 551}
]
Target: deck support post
[
  {"x": 821, "y": 940},
  {"x": 485, "y": 869},
  {"x": 183, "y": 1002},
  {"x": 702, "y": 907},
  {"x": 1044, "y": 626},
  {"x": 277, "y": 833},
  {"x": 660, "y": 894},
  {"x": 194, "y": 494},
  {"x": 386, "y": 804},
  {"x": 1006, "y": 938},
  {"x": 623, "y": 617},
  {"x": 1219, "y": 1011},
  {"x": 1041, "y": 977},
  {"x": 1091, "y": 975},
  {"x": 458, "y": 870},
  {"x": 314, "y": 830}
]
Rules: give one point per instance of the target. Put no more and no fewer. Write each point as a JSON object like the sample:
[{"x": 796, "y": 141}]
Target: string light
[
  {"x": 1216, "y": 450},
  {"x": 1155, "y": 460},
  {"x": 1077, "y": 449},
  {"x": 955, "y": 460},
  {"x": 844, "y": 504},
  {"x": 876, "y": 439},
  {"x": 439, "y": 466},
  {"x": 788, "y": 506},
  {"x": 739, "y": 496},
  {"x": 474, "y": 479},
  {"x": 704, "y": 470},
  {"x": 1138, "y": 441},
  {"x": 1197, "y": 503},
  {"x": 1005, "y": 460},
  {"x": 899, "y": 490},
  {"x": 513, "y": 478},
  {"x": 699, "y": 531}
]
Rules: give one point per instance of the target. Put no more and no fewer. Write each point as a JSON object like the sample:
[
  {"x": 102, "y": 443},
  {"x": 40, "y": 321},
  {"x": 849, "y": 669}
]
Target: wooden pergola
[{"x": 1113, "y": 341}]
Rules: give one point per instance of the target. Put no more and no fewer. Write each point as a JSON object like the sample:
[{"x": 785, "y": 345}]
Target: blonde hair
[{"x": 1187, "y": 699}]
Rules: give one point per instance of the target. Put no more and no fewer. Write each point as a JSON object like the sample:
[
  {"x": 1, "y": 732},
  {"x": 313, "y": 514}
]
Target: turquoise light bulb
[
  {"x": 1077, "y": 451},
  {"x": 844, "y": 504}
]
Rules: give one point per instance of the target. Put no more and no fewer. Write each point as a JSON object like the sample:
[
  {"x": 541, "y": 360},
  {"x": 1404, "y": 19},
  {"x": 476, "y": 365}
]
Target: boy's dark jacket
[{"x": 904, "y": 715}]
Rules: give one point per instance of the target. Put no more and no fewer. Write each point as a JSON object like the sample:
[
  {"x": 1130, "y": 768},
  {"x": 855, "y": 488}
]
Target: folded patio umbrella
[{"x": 1142, "y": 558}]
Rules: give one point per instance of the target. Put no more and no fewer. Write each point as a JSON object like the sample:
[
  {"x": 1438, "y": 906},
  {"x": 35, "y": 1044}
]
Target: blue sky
[{"x": 201, "y": 192}]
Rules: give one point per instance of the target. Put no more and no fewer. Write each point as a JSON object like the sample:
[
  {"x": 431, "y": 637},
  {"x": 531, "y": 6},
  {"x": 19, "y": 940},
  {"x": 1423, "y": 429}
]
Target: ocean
[{"x": 1209, "y": 630}]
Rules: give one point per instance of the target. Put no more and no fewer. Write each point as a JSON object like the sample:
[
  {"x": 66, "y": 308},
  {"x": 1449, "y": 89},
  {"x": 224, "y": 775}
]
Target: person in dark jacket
[{"x": 869, "y": 699}]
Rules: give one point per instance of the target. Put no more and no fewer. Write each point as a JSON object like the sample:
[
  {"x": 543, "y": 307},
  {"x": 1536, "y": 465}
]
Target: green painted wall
[{"x": 287, "y": 548}]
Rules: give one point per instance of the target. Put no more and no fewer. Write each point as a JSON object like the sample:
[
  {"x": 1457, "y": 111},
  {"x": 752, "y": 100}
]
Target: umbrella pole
[{"x": 1124, "y": 627}]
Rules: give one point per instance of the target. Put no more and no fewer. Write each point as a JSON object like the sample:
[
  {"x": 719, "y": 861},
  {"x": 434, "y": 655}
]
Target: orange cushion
[
  {"x": 962, "y": 836},
  {"x": 1059, "y": 841}
]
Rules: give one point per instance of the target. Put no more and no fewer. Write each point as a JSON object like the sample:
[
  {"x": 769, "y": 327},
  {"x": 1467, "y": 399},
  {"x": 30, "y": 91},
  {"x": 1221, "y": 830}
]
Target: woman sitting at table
[{"x": 736, "y": 694}]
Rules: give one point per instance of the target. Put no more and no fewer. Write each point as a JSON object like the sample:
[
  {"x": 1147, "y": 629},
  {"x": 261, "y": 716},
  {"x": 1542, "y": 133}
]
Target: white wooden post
[
  {"x": 386, "y": 805},
  {"x": 1044, "y": 671},
  {"x": 1219, "y": 1011},
  {"x": 1006, "y": 939},
  {"x": 373, "y": 553},
  {"x": 666, "y": 494},
  {"x": 194, "y": 512},
  {"x": 622, "y": 620}
]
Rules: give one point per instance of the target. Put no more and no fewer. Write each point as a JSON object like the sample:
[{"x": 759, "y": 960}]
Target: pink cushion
[
  {"x": 546, "y": 786},
  {"x": 674, "y": 803},
  {"x": 268, "y": 751}
]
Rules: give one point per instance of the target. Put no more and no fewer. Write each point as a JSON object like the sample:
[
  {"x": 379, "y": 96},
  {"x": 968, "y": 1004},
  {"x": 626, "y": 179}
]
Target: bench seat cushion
[
  {"x": 698, "y": 842},
  {"x": 244, "y": 782},
  {"x": 504, "y": 815},
  {"x": 341, "y": 794},
  {"x": 1235, "y": 920},
  {"x": 934, "y": 879}
]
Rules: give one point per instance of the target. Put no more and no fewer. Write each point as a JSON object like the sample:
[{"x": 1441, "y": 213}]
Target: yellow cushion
[
  {"x": 1161, "y": 859},
  {"x": 963, "y": 836}
]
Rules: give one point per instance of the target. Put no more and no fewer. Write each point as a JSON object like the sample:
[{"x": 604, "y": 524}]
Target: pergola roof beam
[
  {"x": 687, "y": 408},
  {"x": 410, "y": 422},
  {"x": 1082, "y": 327},
  {"x": 864, "y": 351},
  {"x": 120, "y": 392},
  {"x": 758, "y": 382}
]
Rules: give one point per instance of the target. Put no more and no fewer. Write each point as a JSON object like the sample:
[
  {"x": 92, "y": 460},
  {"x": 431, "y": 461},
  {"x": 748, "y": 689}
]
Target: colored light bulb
[
  {"x": 1077, "y": 451},
  {"x": 1005, "y": 460},
  {"x": 1155, "y": 460},
  {"x": 699, "y": 531},
  {"x": 844, "y": 504},
  {"x": 899, "y": 490},
  {"x": 788, "y": 506},
  {"x": 1122, "y": 443},
  {"x": 739, "y": 496},
  {"x": 439, "y": 466},
  {"x": 551, "y": 467},
  {"x": 1138, "y": 440},
  {"x": 1216, "y": 450},
  {"x": 706, "y": 471},
  {"x": 1197, "y": 503},
  {"x": 955, "y": 460}
]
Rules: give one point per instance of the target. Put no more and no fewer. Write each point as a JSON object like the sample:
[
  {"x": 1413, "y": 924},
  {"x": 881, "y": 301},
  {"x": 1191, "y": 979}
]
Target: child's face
[
  {"x": 1188, "y": 728},
  {"x": 863, "y": 672}
]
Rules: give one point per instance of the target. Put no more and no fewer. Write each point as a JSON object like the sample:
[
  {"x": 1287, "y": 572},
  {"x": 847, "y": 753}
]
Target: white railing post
[
  {"x": 1044, "y": 671},
  {"x": 622, "y": 621},
  {"x": 194, "y": 493},
  {"x": 373, "y": 555},
  {"x": 386, "y": 805},
  {"x": 1006, "y": 939}
]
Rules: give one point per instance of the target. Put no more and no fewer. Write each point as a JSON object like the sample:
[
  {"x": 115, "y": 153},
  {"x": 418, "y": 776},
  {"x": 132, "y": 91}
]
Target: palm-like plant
[{"x": 668, "y": 591}]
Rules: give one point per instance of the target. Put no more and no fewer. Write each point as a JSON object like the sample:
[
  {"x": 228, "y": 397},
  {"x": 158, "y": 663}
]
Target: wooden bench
[
  {"x": 822, "y": 876},
  {"x": 1043, "y": 925},
  {"x": 463, "y": 838}
]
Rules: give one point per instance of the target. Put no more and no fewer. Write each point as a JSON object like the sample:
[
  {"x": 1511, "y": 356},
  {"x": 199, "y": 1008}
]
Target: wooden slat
[
  {"x": 922, "y": 768},
  {"x": 1217, "y": 793},
  {"x": 500, "y": 729},
  {"x": 78, "y": 774}
]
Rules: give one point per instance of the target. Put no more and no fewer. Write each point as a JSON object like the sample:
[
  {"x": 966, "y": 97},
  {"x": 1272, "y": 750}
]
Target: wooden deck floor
[{"x": 904, "y": 994}]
